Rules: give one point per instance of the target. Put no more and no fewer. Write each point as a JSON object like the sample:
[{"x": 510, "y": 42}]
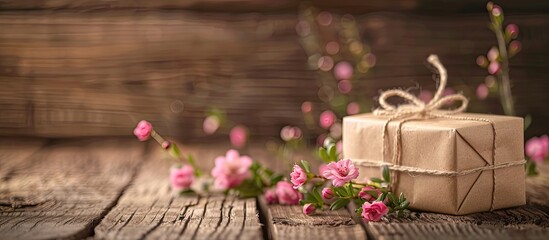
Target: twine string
[{"x": 418, "y": 110}]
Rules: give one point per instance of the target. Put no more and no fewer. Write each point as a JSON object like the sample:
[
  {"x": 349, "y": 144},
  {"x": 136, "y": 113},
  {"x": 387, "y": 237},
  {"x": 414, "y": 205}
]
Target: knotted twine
[{"x": 418, "y": 110}]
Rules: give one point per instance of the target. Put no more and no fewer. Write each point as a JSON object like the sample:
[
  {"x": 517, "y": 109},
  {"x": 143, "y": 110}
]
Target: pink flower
[
  {"x": 287, "y": 194},
  {"x": 231, "y": 170},
  {"x": 323, "y": 167},
  {"x": 306, "y": 107},
  {"x": 482, "y": 61},
  {"x": 309, "y": 208},
  {"x": 512, "y": 30},
  {"x": 327, "y": 193},
  {"x": 344, "y": 86},
  {"x": 341, "y": 172},
  {"x": 327, "y": 119},
  {"x": 353, "y": 108},
  {"x": 298, "y": 176},
  {"x": 514, "y": 47},
  {"x": 238, "y": 136},
  {"x": 143, "y": 130},
  {"x": 270, "y": 196},
  {"x": 493, "y": 54},
  {"x": 373, "y": 211},
  {"x": 182, "y": 178},
  {"x": 425, "y": 96},
  {"x": 211, "y": 124},
  {"x": 343, "y": 70},
  {"x": 482, "y": 91},
  {"x": 494, "y": 67},
  {"x": 537, "y": 148},
  {"x": 366, "y": 195},
  {"x": 496, "y": 10}
]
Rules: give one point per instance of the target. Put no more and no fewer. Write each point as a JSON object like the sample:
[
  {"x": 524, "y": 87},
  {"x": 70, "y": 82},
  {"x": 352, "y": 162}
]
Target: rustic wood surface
[
  {"x": 77, "y": 72},
  {"x": 119, "y": 189},
  {"x": 149, "y": 210}
]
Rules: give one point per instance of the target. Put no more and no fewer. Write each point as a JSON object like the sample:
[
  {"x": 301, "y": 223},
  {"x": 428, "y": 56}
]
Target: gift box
[{"x": 456, "y": 165}]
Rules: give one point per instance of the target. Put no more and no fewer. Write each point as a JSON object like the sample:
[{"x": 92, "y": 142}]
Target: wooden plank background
[{"x": 89, "y": 68}]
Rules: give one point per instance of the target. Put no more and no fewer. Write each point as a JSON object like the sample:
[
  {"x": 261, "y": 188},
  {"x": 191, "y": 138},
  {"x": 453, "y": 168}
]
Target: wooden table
[{"x": 119, "y": 189}]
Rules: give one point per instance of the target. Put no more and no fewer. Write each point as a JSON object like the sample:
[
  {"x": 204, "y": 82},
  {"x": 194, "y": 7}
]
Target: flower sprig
[
  {"x": 233, "y": 173},
  {"x": 336, "y": 186}
]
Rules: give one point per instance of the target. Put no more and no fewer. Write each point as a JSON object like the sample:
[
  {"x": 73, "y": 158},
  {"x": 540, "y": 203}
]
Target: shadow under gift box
[{"x": 445, "y": 145}]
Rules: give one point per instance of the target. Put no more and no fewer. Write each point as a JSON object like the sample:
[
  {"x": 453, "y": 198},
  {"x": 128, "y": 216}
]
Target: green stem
[{"x": 505, "y": 95}]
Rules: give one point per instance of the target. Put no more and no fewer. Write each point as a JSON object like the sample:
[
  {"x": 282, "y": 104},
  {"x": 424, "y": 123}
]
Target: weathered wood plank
[
  {"x": 65, "y": 189},
  {"x": 169, "y": 66},
  {"x": 149, "y": 210},
  {"x": 424, "y": 6},
  {"x": 527, "y": 222},
  {"x": 289, "y": 222}
]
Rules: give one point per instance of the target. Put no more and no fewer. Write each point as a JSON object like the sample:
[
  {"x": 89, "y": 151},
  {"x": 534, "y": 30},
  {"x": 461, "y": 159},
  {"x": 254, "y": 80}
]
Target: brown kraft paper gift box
[
  {"x": 446, "y": 145},
  {"x": 444, "y": 161}
]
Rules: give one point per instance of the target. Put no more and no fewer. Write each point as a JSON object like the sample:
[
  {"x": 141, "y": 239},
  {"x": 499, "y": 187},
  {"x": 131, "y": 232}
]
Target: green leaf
[
  {"x": 401, "y": 197},
  {"x": 174, "y": 151},
  {"x": 306, "y": 166},
  {"x": 323, "y": 155},
  {"x": 404, "y": 204},
  {"x": 386, "y": 173},
  {"x": 317, "y": 196},
  {"x": 192, "y": 162},
  {"x": 275, "y": 179},
  {"x": 373, "y": 193},
  {"x": 350, "y": 189},
  {"x": 392, "y": 198},
  {"x": 376, "y": 180},
  {"x": 527, "y": 121},
  {"x": 332, "y": 152},
  {"x": 382, "y": 197},
  {"x": 339, "y": 203},
  {"x": 340, "y": 191}
]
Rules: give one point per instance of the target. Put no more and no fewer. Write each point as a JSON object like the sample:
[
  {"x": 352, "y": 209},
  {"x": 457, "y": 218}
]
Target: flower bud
[
  {"x": 493, "y": 54},
  {"x": 166, "y": 144},
  {"x": 327, "y": 193},
  {"x": 489, "y": 6},
  {"x": 514, "y": 48},
  {"x": 309, "y": 208},
  {"x": 494, "y": 67},
  {"x": 496, "y": 10},
  {"x": 270, "y": 196},
  {"x": 482, "y": 61},
  {"x": 512, "y": 31}
]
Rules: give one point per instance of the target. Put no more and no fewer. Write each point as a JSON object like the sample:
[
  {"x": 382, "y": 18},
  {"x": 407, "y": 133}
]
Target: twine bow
[{"x": 418, "y": 107}]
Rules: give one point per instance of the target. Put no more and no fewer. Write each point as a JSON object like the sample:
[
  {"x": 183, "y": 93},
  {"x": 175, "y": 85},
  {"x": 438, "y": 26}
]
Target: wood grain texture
[
  {"x": 526, "y": 222},
  {"x": 289, "y": 222},
  {"x": 64, "y": 189},
  {"x": 90, "y": 73},
  {"x": 150, "y": 210}
]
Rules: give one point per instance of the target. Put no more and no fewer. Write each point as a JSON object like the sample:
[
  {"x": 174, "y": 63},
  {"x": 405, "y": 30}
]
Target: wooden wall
[{"x": 85, "y": 68}]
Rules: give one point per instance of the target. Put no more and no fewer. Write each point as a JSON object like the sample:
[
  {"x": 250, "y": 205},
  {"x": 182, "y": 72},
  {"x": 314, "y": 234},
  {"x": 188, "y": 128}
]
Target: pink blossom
[
  {"x": 493, "y": 54},
  {"x": 298, "y": 176},
  {"x": 143, "y": 130},
  {"x": 494, "y": 67},
  {"x": 323, "y": 167},
  {"x": 366, "y": 195},
  {"x": 309, "y": 208},
  {"x": 327, "y": 193},
  {"x": 482, "y": 91},
  {"x": 482, "y": 61},
  {"x": 425, "y": 96},
  {"x": 341, "y": 172},
  {"x": 231, "y": 170},
  {"x": 496, "y": 10},
  {"x": 270, "y": 196},
  {"x": 343, "y": 70},
  {"x": 537, "y": 148},
  {"x": 238, "y": 136},
  {"x": 353, "y": 108},
  {"x": 344, "y": 86},
  {"x": 512, "y": 30},
  {"x": 374, "y": 211},
  {"x": 287, "y": 194},
  {"x": 211, "y": 124},
  {"x": 514, "y": 47},
  {"x": 327, "y": 118},
  {"x": 181, "y": 178},
  {"x": 306, "y": 107},
  {"x": 166, "y": 144}
]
